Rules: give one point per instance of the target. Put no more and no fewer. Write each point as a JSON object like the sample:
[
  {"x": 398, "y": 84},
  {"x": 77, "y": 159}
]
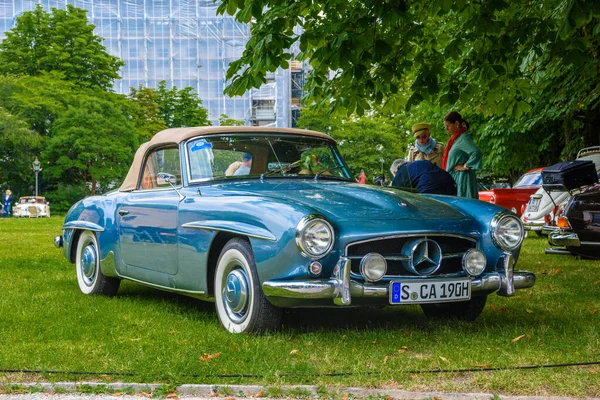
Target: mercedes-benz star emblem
[{"x": 426, "y": 257}]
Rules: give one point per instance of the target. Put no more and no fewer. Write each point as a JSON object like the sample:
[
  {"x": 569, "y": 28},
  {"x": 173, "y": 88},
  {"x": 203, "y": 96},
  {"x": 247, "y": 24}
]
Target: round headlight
[
  {"x": 314, "y": 237},
  {"x": 507, "y": 231},
  {"x": 373, "y": 267},
  {"x": 474, "y": 262}
]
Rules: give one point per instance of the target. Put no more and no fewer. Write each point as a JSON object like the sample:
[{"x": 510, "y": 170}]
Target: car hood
[{"x": 356, "y": 201}]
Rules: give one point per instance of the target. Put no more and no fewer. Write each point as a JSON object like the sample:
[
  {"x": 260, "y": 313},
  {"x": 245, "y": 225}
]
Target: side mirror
[{"x": 164, "y": 177}]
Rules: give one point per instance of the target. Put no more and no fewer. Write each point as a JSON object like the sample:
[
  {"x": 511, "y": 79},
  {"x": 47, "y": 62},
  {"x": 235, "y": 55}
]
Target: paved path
[{"x": 67, "y": 390}]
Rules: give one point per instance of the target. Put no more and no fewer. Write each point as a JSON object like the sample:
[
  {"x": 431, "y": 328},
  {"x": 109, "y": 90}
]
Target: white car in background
[
  {"x": 32, "y": 207},
  {"x": 540, "y": 213}
]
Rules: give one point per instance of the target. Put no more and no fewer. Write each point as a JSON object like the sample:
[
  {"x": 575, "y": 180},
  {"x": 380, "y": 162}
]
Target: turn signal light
[{"x": 563, "y": 223}]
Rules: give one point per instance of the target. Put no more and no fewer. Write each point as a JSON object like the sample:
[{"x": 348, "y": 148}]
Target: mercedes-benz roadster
[{"x": 262, "y": 219}]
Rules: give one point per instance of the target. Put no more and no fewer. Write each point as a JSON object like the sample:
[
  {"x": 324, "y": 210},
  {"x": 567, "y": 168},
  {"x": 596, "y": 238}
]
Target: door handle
[{"x": 123, "y": 213}]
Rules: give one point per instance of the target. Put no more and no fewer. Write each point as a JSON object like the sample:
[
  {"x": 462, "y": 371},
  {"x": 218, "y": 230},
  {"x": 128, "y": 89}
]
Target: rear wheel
[
  {"x": 90, "y": 278},
  {"x": 465, "y": 310},
  {"x": 240, "y": 303}
]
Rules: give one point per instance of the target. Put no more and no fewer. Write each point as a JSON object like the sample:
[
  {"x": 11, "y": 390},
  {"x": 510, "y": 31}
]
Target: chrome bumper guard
[
  {"x": 560, "y": 238},
  {"x": 58, "y": 242},
  {"x": 341, "y": 288}
]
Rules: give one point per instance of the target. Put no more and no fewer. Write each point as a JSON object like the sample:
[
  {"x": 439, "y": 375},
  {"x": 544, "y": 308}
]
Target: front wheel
[
  {"x": 465, "y": 310},
  {"x": 90, "y": 278},
  {"x": 240, "y": 303}
]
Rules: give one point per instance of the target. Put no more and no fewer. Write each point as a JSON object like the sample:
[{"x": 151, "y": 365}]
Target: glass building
[{"x": 185, "y": 43}]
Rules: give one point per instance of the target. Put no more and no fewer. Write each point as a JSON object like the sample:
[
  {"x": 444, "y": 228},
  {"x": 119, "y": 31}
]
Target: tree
[
  {"x": 37, "y": 99},
  {"x": 59, "y": 41},
  {"x": 224, "y": 120},
  {"x": 92, "y": 143},
  {"x": 180, "y": 107},
  {"x": 367, "y": 143},
  {"x": 146, "y": 112},
  {"x": 525, "y": 71},
  {"x": 17, "y": 142}
]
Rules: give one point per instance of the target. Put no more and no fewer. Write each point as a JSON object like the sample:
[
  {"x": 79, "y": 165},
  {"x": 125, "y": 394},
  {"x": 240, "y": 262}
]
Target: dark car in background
[{"x": 578, "y": 230}]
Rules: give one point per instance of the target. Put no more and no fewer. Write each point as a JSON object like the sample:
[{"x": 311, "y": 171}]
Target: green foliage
[
  {"x": 63, "y": 196},
  {"x": 37, "y": 99},
  {"x": 59, "y": 41},
  {"x": 180, "y": 107},
  {"x": 146, "y": 112},
  {"x": 92, "y": 142},
  {"x": 16, "y": 144},
  {"x": 526, "y": 72},
  {"x": 367, "y": 143},
  {"x": 224, "y": 120}
]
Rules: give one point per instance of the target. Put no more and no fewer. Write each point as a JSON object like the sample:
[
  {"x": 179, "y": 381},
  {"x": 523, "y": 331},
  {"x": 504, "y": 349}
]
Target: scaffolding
[{"x": 183, "y": 42}]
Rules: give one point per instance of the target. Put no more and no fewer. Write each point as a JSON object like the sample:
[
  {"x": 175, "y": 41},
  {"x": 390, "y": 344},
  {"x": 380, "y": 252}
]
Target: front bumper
[
  {"x": 563, "y": 238},
  {"x": 533, "y": 226},
  {"x": 341, "y": 288}
]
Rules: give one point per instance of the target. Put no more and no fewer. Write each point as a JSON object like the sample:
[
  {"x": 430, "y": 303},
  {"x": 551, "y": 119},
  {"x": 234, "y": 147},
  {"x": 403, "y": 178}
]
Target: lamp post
[{"x": 36, "y": 169}]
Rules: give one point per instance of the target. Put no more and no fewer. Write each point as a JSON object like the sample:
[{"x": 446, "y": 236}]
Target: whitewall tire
[
  {"x": 239, "y": 300},
  {"x": 90, "y": 278}
]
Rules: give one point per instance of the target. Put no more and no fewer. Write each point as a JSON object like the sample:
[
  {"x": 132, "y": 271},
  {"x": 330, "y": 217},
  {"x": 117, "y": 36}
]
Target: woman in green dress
[{"x": 462, "y": 157}]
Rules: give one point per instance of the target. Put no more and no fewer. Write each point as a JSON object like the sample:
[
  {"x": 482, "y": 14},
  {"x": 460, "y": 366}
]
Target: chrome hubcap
[
  {"x": 235, "y": 294},
  {"x": 88, "y": 264}
]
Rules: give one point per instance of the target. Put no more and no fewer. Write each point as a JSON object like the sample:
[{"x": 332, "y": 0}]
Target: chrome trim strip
[
  {"x": 165, "y": 288},
  {"x": 590, "y": 243},
  {"x": 90, "y": 226},
  {"x": 237, "y": 229},
  {"x": 406, "y": 258},
  {"x": 417, "y": 234}
]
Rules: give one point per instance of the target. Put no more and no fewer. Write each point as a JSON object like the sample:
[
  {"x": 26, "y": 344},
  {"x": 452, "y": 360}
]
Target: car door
[{"x": 147, "y": 218}]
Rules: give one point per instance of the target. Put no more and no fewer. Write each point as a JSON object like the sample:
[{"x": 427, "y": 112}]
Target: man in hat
[
  {"x": 422, "y": 175},
  {"x": 425, "y": 147}
]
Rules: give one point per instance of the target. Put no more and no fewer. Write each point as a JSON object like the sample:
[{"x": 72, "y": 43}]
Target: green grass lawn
[{"x": 144, "y": 335}]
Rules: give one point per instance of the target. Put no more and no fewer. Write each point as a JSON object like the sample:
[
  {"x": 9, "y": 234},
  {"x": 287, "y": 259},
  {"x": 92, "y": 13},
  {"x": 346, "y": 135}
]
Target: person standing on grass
[
  {"x": 7, "y": 203},
  {"x": 462, "y": 158}
]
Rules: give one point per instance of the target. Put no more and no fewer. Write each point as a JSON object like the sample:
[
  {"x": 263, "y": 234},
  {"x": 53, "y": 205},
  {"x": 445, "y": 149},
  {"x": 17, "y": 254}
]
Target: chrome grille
[{"x": 453, "y": 248}]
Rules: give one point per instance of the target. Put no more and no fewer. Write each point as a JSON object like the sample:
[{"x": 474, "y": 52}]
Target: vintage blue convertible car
[{"x": 261, "y": 219}]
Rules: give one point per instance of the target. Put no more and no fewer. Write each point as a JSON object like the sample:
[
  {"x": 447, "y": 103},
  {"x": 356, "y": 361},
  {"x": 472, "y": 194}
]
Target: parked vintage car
[
  {"x": 579, "y": 226},
  {"x": 514, "y": 198},
  {"x": 540, "y": 214},
  {"x": 32, "y": 207},
  {"x": 541, "y": 210},
  {"x": 292, "y": 229}
]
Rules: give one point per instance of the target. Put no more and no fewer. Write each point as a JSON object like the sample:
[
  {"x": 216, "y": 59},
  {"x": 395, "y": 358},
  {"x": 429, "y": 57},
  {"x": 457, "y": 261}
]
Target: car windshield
[
  {"x": 533, "y": 179},
  {"x": 263, "y": 156}
]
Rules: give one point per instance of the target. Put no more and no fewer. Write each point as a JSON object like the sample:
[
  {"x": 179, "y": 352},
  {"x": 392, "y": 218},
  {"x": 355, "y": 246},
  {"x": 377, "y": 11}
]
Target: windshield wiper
[
  {"x": 317, "y": 175},
  {"x": 285, "y": 168}
]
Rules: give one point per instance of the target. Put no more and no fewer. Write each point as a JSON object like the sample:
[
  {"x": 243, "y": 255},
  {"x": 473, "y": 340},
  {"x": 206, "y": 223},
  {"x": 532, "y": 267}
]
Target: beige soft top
[{"x": 178, "y": 135}]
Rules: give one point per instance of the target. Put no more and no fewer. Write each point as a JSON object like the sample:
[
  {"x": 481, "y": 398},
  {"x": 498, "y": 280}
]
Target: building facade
[{"x": 185, "y": 43}]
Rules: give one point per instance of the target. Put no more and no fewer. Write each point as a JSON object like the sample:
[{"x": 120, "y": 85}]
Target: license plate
[
  {"x": 533, "y": 205},
  {"x": 429, "y": 291}
]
